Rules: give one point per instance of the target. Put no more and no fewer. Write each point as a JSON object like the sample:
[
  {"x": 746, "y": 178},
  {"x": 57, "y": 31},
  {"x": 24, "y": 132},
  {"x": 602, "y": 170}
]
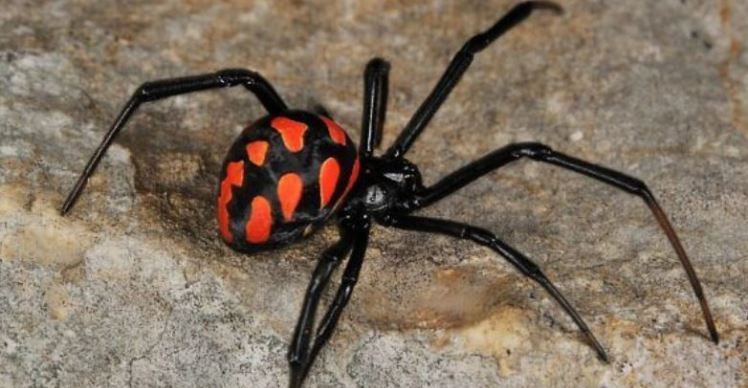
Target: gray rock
[{"x": 134, "y": 287}]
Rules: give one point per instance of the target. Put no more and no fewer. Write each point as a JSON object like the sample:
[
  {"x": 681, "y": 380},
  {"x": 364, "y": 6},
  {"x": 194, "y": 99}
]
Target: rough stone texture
[{"x": 134, "y": 287}]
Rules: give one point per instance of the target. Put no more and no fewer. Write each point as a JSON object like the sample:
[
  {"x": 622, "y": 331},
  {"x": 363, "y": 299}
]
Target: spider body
[
  {"x": 389, "y": 186},
  {"x": 292, "y": 170},
  {"x": 283, "y": 177}
]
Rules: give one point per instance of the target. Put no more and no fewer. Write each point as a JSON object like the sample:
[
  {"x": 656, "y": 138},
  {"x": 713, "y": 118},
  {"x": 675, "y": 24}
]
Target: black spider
[{"x": 290, "y": 171}]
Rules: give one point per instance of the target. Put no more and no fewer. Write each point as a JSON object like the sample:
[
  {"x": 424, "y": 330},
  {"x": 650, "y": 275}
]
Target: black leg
[
  {"x": 457, "y": 68},
  {"x": 542, "y": 153},
  {"x": 375, "y": 105},
  {"x": 322, "y": 111},
  {"x": 299, "y": 348},
  {"x": 156, "y": 90},
  {"x": 300, "y": 356},
  {"x": 520, "y": 261},
  {"x": 348, "y": 282}
]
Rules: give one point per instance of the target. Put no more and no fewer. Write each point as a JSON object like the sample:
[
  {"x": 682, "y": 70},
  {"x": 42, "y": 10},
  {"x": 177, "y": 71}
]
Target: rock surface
[{"x": 134, "y": 288}]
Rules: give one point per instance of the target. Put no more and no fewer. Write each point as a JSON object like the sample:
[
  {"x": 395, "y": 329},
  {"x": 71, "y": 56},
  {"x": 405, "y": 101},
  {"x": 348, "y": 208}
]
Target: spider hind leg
[{"x": 164, "y": 88}]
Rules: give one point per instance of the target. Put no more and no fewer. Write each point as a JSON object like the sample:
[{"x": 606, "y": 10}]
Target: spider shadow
[{"x": 177, "y": 155}]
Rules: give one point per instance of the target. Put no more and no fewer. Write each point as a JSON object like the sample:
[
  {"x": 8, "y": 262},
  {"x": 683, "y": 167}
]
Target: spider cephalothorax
[
  {"x": 388, "y": 185},
  {"x": 290, "y": 171}
]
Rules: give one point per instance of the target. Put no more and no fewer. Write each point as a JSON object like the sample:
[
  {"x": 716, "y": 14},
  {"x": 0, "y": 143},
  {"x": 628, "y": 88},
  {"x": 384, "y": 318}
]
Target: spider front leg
[
  {"x": 457, "y": 67},
  {"x": 331, "y": 258},
  {"x": 156, "y": 90},
  {"x": 348, "y": 282},
  {"x": 545, "y": 154},
  {"x": 483, "y": 237},
  {"x": 376, "y": 85},
  {"x": 301, "y": 356}
]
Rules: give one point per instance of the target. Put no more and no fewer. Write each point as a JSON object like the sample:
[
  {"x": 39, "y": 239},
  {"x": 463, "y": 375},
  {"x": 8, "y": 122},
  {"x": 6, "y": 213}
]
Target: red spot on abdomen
[
  {"x": 260, "y": 221},
  {"x": 336, "y": 133},
  {"x": 234, "y": 177},
  {"x": 289, "y": 194},
  {"x": 256, "y": 151},
  {"x": 291, "y": 131},
  {"x": 328, "y": 180},
  {"x": 352, "y": 179}
]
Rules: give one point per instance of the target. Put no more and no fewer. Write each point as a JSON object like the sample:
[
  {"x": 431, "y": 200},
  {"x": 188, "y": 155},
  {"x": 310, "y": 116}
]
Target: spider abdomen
[{"x": 282, "y": 178}]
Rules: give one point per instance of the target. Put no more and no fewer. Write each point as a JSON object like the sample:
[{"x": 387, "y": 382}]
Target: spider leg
[
  {"x": 542, "y": 153},
  {"x": 156, "y": 90},
  {"x": 457, "y": 67},
  {"x": 322, "y": 111},
  {"x": 298, "y": 350},
  {"x": 375, "y": 105},
  {"x": 348, "y": 282},
  {"x": 299, "y": 360},
  {"x": 483, "y": 237}
]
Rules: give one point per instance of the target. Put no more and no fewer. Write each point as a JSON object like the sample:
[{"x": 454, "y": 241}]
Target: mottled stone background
[{"x": 134, "y": 287}]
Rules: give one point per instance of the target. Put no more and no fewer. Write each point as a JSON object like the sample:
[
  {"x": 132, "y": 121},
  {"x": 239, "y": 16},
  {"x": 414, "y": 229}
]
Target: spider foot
[{"x": 547, "y": 5}]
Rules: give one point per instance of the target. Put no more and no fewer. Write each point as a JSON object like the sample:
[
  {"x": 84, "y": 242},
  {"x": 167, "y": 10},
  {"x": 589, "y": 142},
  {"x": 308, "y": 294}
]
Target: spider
[{"x": 290, "y": 171}]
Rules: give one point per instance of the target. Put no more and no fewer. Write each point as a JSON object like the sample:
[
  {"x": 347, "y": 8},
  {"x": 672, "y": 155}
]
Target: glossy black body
[{"x": 390, "y": 188}]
